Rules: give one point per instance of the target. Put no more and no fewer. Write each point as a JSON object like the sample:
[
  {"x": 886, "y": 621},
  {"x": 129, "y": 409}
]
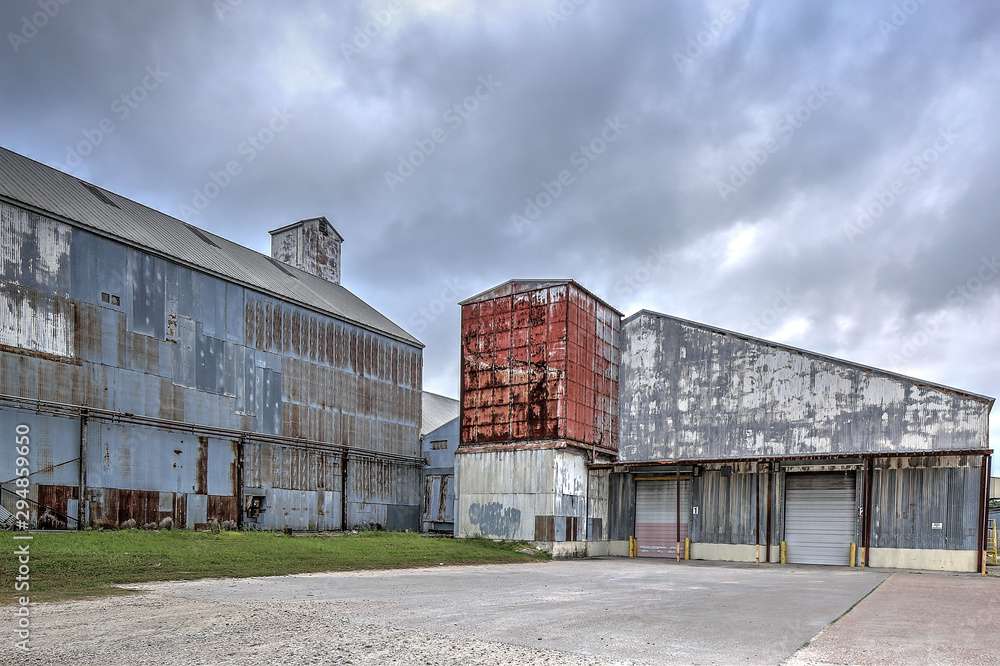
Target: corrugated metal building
[
  {"x": 539, "y": 394},
  {"x": 728, "y": 446},
  {"x": 438, "y": 443},
  {"x": 196, "y": 378}
]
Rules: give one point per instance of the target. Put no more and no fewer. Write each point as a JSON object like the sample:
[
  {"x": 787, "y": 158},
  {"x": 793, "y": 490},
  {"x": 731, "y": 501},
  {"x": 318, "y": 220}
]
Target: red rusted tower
[{"x": 539, "y": 400}]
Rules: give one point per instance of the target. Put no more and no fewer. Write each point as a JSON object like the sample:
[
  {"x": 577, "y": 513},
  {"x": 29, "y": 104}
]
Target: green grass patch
[{"x": 76, "y": 565}]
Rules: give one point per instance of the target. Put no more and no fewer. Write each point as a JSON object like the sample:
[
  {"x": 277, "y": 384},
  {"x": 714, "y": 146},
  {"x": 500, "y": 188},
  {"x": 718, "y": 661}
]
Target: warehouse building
[
  {"x": 193, "y": 377},
  {"x": 438, "y": 443},
  {"x": 703, "y": 443}
]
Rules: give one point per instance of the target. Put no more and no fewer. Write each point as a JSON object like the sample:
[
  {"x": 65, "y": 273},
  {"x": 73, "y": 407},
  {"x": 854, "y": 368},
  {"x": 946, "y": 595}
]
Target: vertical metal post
[
  {"x": 343, "y": 491},
  {"x": 678, "y": 507},
  {"x": 770, "y": 499},
  {"x": 984, "y": 491},
  {"x": 239, "y": 483},
  {"x": 869, "y": 503},
  {"x": 81, "y": 505},
  {"x": 756, "y": 505}
]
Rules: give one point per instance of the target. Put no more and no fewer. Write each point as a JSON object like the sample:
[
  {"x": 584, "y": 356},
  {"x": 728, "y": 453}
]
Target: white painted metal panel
[
  {"x": 657, "y": 531},
  {"x": 820, "y": 509}
]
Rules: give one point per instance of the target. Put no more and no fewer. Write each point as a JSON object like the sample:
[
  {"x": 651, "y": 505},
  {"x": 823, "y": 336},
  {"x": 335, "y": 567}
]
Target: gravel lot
[{"x": 612, "y": 611}]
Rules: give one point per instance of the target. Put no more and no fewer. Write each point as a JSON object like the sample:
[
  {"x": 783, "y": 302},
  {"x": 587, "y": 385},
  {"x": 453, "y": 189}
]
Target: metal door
[
  {"x": 820, "y": 509},
  {"x": 656, "y": 530}
]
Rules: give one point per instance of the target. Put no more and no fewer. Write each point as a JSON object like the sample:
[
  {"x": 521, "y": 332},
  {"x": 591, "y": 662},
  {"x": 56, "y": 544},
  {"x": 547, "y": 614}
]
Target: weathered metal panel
[
  {"x": 926, "y": 502},
  {"x": 147, "y": 298},
  {"x": 503, "y": 492},
  {"x": 621, "y": 511},
  {"x": 727, "y": 499},
  {"x": 539, "y": 362},
  {"x": 692, "y": 392},
  {"x": 33, "y": 321},
  {"x": 35, "y": 251}
]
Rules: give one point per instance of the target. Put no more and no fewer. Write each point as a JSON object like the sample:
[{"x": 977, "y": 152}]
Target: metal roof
[
  {"x": 436, "y": 410},
  {"x": 520, "y": 286},
  {"x": 817, "y": 355},
  {"x": 53, "y": 193}
]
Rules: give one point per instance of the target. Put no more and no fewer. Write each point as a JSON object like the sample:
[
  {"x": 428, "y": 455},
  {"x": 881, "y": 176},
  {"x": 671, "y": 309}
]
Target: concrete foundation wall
[
  {"x": 726, "y": 552},
  {"x": 933, "y": 560}
]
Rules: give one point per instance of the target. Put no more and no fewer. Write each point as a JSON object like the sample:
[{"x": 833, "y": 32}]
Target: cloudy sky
[{"x": 821, "y": 174}]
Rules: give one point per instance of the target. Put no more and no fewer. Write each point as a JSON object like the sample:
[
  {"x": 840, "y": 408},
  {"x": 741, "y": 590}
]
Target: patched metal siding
[
  {"x": 692, "y": 392},
  {"x": 732, "y": 505},
  {"x": 89, "y": 322},
  {"x": 926, "y": 502},
  {"x": 39, "y": 187},
  {"x": 621, "y": 506},
  {"x": 534, "y": 495},
  {"x": 820, "y": 517},
  {"x": 539, "y": 362}
]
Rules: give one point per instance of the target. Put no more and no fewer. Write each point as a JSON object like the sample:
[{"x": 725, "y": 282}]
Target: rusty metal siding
[
  {"x": 926, "y": 502},
  {"x": 539, "y": 362},
  {"x": 136, "y": 334},
  {"x": 691, "y": 392}
]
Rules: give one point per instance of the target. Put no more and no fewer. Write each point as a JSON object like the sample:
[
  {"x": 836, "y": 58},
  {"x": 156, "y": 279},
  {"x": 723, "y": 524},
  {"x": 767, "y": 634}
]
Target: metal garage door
[
  {"x": 656, "y": 529},
  {"x": 820, "y": 513}
]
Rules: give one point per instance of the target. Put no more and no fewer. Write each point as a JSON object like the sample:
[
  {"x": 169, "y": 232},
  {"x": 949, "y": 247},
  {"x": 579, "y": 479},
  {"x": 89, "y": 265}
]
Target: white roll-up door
[
  {"x": 656, "y": 528},
  {"x": 820, "y": 510}
]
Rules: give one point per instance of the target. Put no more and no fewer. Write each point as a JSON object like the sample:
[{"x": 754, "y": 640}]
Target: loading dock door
[
  {"x": 656, "y": 528},
  {"x": 820, "y": 511}
]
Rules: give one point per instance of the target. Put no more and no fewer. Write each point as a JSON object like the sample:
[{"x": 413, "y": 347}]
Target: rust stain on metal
[
  {"x": 201, "y": 467},
  {"x": 540, "y": 362}
]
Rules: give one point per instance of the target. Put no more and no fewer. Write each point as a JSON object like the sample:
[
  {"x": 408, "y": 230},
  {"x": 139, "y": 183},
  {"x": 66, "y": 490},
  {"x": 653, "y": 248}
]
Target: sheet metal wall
[
  {"x": 539, "y": 364},
  {"x": 439, "y": 477},
  {"x": 87, "y": 321},
  {"x": 534, "y": 495},
  {"x": 690, "y": 393},
  {"x": 912, "y": 494}
]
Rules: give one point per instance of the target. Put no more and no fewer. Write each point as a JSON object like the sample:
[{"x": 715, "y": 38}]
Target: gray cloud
[{"x": 644, "y": 225}]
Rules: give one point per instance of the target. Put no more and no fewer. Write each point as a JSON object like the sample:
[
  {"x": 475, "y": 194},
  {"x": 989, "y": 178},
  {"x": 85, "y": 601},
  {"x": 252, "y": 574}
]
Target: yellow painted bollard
[
  {"x": 784, "y": 552},
  {"x": 687, "y": 548},
  {"x": 854, "y": 553},
  {"x": 631, "y": 546}
]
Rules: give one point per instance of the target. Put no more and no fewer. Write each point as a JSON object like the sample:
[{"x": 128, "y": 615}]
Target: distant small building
[{"x": 438, "y": 442}]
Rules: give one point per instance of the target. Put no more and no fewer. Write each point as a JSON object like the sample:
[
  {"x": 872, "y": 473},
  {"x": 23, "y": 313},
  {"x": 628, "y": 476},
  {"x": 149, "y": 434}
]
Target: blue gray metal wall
[{"x": 87, "y": 321}]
